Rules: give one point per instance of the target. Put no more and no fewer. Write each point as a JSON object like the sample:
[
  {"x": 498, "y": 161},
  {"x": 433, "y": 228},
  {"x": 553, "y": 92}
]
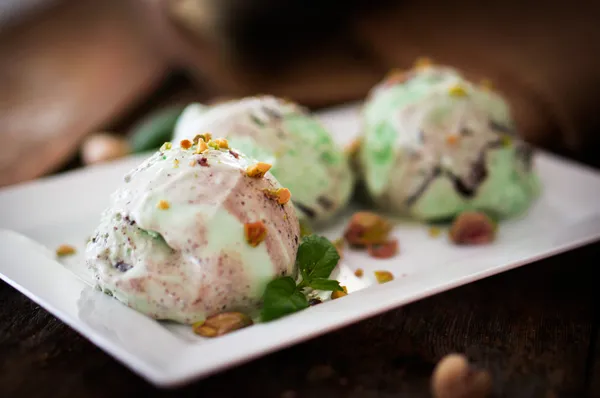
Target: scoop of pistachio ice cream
[
  {"x": 304, "y": 156},
  {"x": 435, "y": 144},
  {"x": 190, "y": 234}
]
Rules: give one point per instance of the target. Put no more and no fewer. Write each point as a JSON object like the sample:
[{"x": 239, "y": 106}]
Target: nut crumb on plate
[
  {"x": 65, "y": 250},
  {"x": 383, "y": 276}
]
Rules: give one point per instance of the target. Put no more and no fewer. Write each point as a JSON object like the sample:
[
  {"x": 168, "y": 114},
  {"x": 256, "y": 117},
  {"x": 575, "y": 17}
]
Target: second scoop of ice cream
[{"x": 304, "y": 156}]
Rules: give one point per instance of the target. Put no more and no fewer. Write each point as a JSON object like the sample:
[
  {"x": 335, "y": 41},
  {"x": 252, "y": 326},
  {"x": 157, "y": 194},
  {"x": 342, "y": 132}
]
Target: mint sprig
[
  {"x": 317, "y": 257},
  {"x": 282, "y": 297}
]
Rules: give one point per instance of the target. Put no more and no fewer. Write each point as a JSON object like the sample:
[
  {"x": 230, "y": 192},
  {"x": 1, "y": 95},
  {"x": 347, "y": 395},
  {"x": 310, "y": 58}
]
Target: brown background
[{"x": 83, "y": 66}]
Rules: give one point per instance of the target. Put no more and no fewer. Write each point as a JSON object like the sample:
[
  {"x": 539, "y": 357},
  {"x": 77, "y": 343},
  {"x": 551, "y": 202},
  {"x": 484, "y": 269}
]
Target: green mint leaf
[
  {"x": 282, "y": 298},
  {"x": 325, "y": 284},
  {"x": 316, "y": 258}
]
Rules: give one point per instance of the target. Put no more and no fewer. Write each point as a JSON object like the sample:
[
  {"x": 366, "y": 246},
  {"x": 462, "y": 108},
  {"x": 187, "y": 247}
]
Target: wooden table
[{"x": 534, "y": 328}]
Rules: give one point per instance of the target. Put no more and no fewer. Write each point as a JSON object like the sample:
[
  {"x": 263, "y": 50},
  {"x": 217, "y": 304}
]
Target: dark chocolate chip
[
  {"x": 257, "y": 120},
  {"x": 123, "y": 267},
  {"x": 414, "y": 197},
  {"x": 325, "y": 202},
  {"x": 314, "y": 301},
  {"x": 501, "y": 127},
  {"x": 272, "y": 113}
]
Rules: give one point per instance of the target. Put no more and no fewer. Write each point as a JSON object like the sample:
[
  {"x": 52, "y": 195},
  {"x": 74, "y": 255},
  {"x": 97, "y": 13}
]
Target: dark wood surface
[{"x": 534, "y": 328}]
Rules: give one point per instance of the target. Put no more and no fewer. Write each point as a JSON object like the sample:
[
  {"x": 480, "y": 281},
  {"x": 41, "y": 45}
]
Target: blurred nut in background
[
  {"x": 102, "y": 147},
  {"x": 454, "y": 378}
]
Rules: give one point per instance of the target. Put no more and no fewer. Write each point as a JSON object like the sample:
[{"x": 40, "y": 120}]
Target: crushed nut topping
[
  {"x": 506, "y": 141},
  {"x": 282, "y": 195},
  {"x": 383, "y": 276},
  {"x": 423, "y": 62},
  {"x": 220, "y": 324},
  {"x": 186, "y": 144},
  {"x": 472, "y": 228},
  {"x": 166, "y": 146},
  {"x": 452, "y": 139},
  {"x": 202, "y": 147},
  {"x": 396, "y": 76},
  {"x": 255, "y": 233},
  {"x": 65, "y": 250},
  {"x": 222, "y": 143},
  {"x": 457, "y": 91},
  {"x": 434, "y": 232},
  {"x": 353, "y": 147},
  {"x": 258, "y": 170},
  {"x": 337, "y": 294},
  {"x": 366, "y": 228},
  {"x": 386, "y": 250},
  {"x": 202, "y": 137}
]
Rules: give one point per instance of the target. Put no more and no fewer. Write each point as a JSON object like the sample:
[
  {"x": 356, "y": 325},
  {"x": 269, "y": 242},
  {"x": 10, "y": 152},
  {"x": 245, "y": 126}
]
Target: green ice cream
[
  {"x": 435, "y": 144},
  {"x": 304, "y": 157}
]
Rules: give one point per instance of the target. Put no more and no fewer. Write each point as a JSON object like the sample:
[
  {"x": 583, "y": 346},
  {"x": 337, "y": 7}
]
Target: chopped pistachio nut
[
  {"x": 206, "y": 137},
  {"x": 258, "y": 170},
  {"x": 434, "y": 232},
  {"x": 213, "y": 144},
  {"x": 383, "y": 276},
  {"x": 385, "y": 250},
  {"x": 472, "y": 228},
  {"x": 282, "y": 195},
  {"x": 367, "y": 228},
  {"x": 186, "y": 144},
  {"x": 65, "y": 250},
  {"x": 337, "y": 294},
  {"x": 423, "y": 62},
  {"x": 452, "y": 139},
  {"x": 396, "y": 76},
  {"x": 353, "y": 148},
  {"x": 220, "y": 324},
  {"x": 359, "y": 273},
  {"x": 166, "y": 146},
  {"x": 197, "y": 138},
  {"x": 457, "y": 91},
  {"x": 163, "y": 205},
  {"x": 202, "y": 147},
  {"x": 255, "y": 233},
  {"x": 222, "y": 143}
]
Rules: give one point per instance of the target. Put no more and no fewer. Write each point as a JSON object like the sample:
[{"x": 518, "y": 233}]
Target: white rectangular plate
[{"x": 38, "y": 216}]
